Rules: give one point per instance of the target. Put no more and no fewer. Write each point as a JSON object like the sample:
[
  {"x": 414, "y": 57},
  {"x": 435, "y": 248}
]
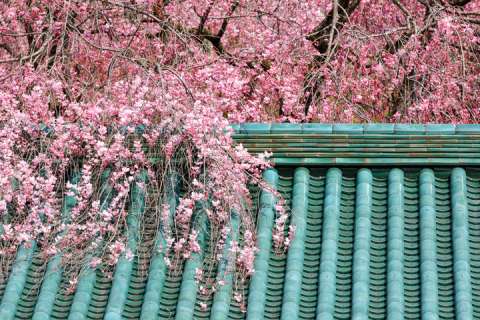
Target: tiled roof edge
[{"x": 343, "y": 128}]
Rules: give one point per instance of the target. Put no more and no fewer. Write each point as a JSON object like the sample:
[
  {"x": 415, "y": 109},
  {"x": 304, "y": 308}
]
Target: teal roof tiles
[
  {"x": 364, "y": 144},
  {"x": 387, "y": 222}
]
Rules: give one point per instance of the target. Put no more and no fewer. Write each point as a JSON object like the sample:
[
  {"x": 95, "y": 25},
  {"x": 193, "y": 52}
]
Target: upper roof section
[{"x": 315, "y": 144}]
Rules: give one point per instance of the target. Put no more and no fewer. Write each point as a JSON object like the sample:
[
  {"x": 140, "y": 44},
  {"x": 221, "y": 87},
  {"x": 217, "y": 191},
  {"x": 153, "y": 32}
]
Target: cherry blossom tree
[{"x": 94, "y": 94}]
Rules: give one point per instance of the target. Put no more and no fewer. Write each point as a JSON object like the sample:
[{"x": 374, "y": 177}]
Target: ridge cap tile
[
  {"x": 286, "y": 128},
  {"x": 467, "y": 128},
  {"x": 255, "y": 127},
  {"x": 433, "y": 129},
  {"x": 379, "y": 128},
  {"x": 348, "y": 128},
  {"x": 409, "y": 128},
  {"x": 317, "y": 128}
]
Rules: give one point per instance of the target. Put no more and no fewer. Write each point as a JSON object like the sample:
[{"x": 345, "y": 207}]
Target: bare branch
[
  {"x": 7, "y": 48},
  {"x": 459, "y": 3},
  {"x": 323, "y": 38},
  {"x": 320, "y": 36}
]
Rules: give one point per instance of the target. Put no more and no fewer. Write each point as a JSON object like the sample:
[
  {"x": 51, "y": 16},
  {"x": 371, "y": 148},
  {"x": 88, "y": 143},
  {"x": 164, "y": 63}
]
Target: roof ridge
[
  {"x": 316, "y": 144},
  {"x": 346, "y": 128}
]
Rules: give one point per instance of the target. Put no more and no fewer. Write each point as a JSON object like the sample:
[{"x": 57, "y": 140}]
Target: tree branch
[
  {"x": 7, "y": 48},
  {"x": 326, "y": 32},
  {"x": 323, "y": 38},
  {"x": 459, "y": 3},
  {"x": 215, "y": 39},
  {"x": 223, "y": 28},
  {"x": 204, "y": 18}
]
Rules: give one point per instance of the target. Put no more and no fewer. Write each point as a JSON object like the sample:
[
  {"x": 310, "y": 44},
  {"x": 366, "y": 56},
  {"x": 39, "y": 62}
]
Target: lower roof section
[{"x": 370, "y": 244}]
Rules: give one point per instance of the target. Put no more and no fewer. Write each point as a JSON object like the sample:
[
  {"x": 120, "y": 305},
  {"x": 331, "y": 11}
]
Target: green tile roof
[
  {"x": 391, "y": 240},
  {"x": 364, "y": 145}
]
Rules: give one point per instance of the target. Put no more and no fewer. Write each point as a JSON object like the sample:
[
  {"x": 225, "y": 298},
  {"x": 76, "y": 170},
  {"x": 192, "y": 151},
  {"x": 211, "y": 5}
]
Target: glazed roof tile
[{"x": 391, "y": 240}]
